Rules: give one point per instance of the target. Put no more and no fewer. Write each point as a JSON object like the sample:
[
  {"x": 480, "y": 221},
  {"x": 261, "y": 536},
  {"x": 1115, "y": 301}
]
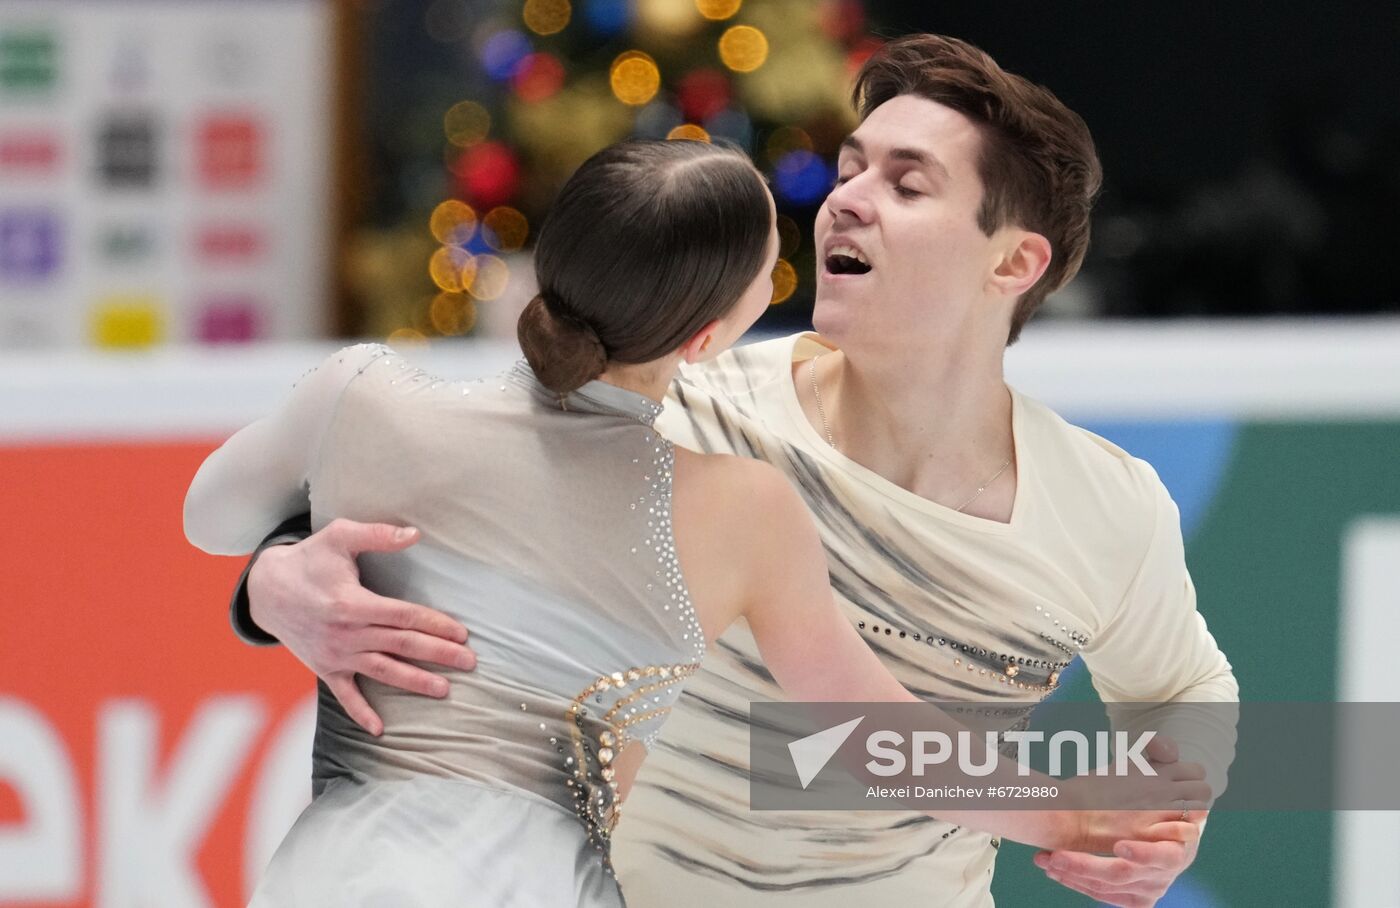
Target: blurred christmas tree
[{"x": 478, "y": 111}]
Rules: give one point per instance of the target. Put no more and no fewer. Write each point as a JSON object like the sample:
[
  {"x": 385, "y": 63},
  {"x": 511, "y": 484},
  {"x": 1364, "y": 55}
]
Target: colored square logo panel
[
  {"x": 127, "y": 321},
  {"x": 229, "y": 244},
  {"x": 28, "y": 60},
  {"x": 234, "y": 319},
  {"x": 28, "y": 153},
  {"x": 124, "y": 244},
  {"x": 231, "y": 152},
  {"x": 127, "y": 151},
  {"x": 29, "y": 245}
]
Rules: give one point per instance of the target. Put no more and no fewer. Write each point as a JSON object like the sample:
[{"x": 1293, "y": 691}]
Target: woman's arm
[
  {"x": 816, "y": 655},
  {"x": 258, "y": 478}
]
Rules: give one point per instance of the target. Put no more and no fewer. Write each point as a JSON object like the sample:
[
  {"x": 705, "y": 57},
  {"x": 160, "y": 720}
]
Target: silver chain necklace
[{"x": 826, "y": 428}]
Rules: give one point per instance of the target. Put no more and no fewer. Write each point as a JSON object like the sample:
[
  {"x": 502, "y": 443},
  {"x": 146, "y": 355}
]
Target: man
[{"x": 978, "y": 540}]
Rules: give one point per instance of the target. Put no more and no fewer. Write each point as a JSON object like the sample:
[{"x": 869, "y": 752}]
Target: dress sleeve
[
  {"x": 258, "y": 478},
  {"x": 1156, "y": 649}
]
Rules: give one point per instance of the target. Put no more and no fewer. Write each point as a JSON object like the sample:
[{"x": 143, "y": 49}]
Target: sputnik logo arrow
[{"x": 811, "y": 754}]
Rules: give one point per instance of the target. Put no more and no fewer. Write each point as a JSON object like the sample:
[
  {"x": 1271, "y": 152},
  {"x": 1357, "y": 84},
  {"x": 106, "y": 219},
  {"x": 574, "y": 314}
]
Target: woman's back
[{"x": 546, "y": 526}]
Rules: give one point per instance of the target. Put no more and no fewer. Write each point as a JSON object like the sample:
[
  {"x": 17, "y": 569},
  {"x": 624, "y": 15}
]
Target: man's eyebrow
[{"x": 901, "y": 154}]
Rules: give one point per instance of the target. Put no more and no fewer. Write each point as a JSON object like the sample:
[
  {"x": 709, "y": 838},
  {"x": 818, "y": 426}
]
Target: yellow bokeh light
[
  {"x": 718, "y": 9},
  {"x": 445, "y": 268},
  {"x": 789, "y": 236},
  {"x": 466, "y": 123},
  {"x": 547, "y": 17},
  {"x": 689, "y": 131},
  {"x": 407, "y": 337},
  {"x": 786, "y": 139},
  {"x": 635, "y": 78},
  {"x": 492, "y": 275},
  {"x": 452, "y": 313},
  {"x": 508, "y": 229},
  {"x": 667, "y": 20},
  {"x": 743, "y": 48},
  {"x": 453, "y": 222},
  {"x": 784, "y": 281}
]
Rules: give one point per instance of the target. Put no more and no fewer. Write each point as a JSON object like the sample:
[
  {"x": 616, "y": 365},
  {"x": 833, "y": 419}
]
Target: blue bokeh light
[
  {"x": 607, "y": 17},
  {"x": 803, "y": 177},
  {"x": 503, "y": 52}
]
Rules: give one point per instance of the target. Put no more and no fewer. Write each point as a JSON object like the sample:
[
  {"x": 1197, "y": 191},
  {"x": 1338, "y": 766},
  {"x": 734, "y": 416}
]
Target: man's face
[{"x": 906, "y": 200}]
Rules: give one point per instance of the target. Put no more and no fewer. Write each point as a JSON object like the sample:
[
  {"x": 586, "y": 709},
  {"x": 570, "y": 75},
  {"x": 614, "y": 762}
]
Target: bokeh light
[
  {"x": 784, "y": 281},
  {"x": 547, "y": 17},
  {"x": 445, "y": 268},
  {"x": 843, "y": 20},
  {"x": 466, "y": 123},
  {"x": 802, "y": 177},
  {"x": 786, "y": 139},
  {"x": 407, "y": 337},
  {"x": 718, "y": 9},
  {"x": 538, "y": 77},
  {"x": 453, "y": 222},
  {"x": 689, "y": 131},
  {"x": 492, "y": 276},
  {"x": 606, "y": 17},
  {"x": 505, "y": 229},
  {"x": 743, "y": 48},
  {"x": 668, "y": 19},
  {"x": 789, "y": 236},
  {"x": 452, "y": 314},
  {"x": 487, "y": 174},
  {"x": 503, "y": 52},
  {"x": 702, "y": 93},
  {"x": 634, "y": 78},
  {"x": 733, "y": 125}
]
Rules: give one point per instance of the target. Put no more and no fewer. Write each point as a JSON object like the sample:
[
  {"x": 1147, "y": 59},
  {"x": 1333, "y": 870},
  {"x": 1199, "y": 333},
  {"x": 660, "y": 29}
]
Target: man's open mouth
[{"x": 846, "y": 260}]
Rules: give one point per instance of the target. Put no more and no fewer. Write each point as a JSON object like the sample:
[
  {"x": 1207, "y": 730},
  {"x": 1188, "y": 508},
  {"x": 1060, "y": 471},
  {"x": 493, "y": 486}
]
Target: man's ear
[
  {"x": 702, "y": 344},
  {"x": 1023, "y": 261}
]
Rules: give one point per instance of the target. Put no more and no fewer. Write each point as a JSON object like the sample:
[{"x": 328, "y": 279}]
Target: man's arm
[
  {"x": 293, "y": 529},
  {"x": 1158, "y": 615}
]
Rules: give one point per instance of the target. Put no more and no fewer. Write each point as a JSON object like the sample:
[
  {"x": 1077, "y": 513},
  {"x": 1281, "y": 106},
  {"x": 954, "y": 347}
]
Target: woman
[{"x": 593, "y": 558}]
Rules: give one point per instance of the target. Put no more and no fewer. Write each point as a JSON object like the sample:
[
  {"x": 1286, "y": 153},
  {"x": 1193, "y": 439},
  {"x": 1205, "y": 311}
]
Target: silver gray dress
[{"x": 546, "y": 529}]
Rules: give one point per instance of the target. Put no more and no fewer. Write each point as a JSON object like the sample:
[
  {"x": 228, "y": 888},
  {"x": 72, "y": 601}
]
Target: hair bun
[{"x": 564, "y": 352}]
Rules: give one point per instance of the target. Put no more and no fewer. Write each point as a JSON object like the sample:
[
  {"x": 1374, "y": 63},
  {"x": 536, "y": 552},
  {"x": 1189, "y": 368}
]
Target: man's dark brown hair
[{"x": 1038, "y": 165}]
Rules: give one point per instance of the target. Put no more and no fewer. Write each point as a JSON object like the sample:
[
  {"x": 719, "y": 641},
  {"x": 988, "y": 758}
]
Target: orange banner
[{"x": 147, "y": 756}]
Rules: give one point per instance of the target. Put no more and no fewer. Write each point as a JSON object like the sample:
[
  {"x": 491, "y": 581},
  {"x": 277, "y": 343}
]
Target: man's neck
[{"x": 935, "y": 423}]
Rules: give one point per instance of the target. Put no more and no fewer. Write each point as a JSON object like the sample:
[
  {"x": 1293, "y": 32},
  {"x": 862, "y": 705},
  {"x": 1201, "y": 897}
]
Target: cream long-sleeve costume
[{"x": 960, "y": 608}]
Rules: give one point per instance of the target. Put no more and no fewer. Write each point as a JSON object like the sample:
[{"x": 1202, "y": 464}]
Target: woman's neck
[{"x": 647, "y": 379}]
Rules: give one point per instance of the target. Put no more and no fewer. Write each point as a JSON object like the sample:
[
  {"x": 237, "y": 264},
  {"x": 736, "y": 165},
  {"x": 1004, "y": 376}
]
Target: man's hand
[
  {"x": 308, "y": 595},
  {"x": 1139, "y": 873}
]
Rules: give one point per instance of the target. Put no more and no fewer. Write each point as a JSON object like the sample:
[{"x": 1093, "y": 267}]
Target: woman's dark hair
[{"x": 646, "y": 243}]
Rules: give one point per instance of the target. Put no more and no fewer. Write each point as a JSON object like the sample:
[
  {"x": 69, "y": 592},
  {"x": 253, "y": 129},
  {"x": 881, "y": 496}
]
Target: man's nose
[{"x": 850, "y": 201}]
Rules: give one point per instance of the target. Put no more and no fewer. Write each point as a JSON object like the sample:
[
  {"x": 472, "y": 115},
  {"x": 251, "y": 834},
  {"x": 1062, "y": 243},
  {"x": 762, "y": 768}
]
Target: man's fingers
[
  {"x": 355, "y": 537},
  {"x": 418, "y": 646},
  {"x": 410, "y": 616},
  {"x": 1183, "y": 771},
  {"x": 1171, "y": 856},
  {"x": 1115, "y": 871},
  {"x": 398, "y": 674},
  {"x": 1175, "y": 831},
  {"x": 1108, "y": 895},
  {"x": 342, "y": 685},
  {"x": 1162, "y": 749}
]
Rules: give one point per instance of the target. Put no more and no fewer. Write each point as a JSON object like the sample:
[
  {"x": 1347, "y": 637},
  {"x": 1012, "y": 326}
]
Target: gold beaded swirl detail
[{"x": 598, "y": 808}]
